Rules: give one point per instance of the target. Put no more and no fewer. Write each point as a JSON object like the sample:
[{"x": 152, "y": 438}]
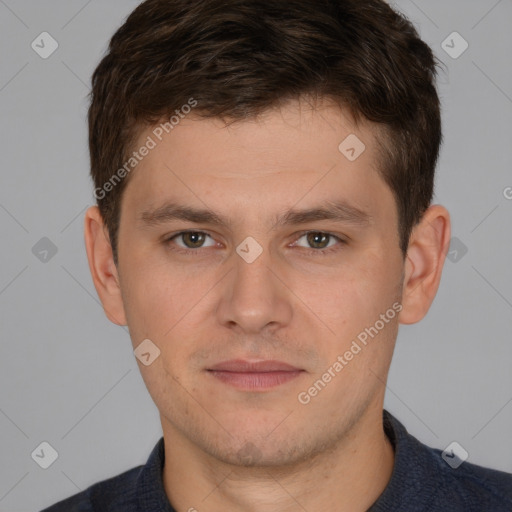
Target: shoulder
[
  {"x": 425, "y": 480},
  {"x": 472, "y": 486},
  {"x": 130, "y": 491},
  {"x": 114, "y": 494}
]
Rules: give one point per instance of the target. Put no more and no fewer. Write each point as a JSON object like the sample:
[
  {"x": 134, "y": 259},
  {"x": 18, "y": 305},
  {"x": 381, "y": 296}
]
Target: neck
[{"x": 349, "y": 476}]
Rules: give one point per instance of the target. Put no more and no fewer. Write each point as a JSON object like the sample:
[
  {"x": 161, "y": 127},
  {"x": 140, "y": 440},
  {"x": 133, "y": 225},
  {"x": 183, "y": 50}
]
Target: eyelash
[{"x": 316, "y": 252}]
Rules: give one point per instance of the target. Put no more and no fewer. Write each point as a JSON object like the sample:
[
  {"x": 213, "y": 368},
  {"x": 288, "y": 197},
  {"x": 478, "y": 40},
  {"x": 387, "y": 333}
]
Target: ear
[
  {"x": 101, "y": 264},
  {"x": 428, "y": 246}
]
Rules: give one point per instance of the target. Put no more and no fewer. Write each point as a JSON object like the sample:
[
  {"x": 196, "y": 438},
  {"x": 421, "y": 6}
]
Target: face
[{"x": 257, "y": 282}]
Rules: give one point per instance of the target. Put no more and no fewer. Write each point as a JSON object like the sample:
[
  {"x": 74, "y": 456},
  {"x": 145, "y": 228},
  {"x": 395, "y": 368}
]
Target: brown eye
[
  {"x": 318, "y": 240},
  {"x": 193, "y": 240},
  {"x": 320, "y": 243},
  {"x": 190, "y": 240}
]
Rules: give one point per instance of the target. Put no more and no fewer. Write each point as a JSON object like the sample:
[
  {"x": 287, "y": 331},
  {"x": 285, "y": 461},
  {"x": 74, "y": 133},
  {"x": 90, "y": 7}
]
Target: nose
[{"x": 255, "y": 296}]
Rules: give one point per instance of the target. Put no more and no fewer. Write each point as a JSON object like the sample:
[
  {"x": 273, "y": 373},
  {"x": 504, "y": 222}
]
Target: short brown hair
[{"x": 238, "y": 58}]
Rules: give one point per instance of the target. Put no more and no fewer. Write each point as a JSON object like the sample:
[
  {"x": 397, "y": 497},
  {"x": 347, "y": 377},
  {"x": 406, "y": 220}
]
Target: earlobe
[
  {"x": 101, "y": 264},
  {"x": 425, "y": 258}
]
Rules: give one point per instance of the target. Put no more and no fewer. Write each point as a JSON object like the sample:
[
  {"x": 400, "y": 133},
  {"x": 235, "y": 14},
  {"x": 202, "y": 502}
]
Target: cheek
[
  {"x": 168, "y": 306},
  {"x": 157, "y": 296},
  {"x": 357, "y": 293},
  {"x": 353, "y": 301}
]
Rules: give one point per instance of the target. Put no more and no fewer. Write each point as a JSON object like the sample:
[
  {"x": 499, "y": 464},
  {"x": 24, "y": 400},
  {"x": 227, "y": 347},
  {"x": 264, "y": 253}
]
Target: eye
[
  {"x": 321, "y": 241},
  {"x": 191, "y": 240}
]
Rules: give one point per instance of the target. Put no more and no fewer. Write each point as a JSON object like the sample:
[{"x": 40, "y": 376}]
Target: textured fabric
[{"x": 421, "y": 482}]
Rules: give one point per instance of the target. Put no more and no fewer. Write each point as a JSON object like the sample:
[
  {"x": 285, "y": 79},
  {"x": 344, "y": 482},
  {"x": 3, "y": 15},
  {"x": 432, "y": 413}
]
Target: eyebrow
[{"x": 338, "y": 211}]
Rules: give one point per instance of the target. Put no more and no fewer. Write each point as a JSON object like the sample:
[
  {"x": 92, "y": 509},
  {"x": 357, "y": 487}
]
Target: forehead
[{"x": 292, "y": 155}]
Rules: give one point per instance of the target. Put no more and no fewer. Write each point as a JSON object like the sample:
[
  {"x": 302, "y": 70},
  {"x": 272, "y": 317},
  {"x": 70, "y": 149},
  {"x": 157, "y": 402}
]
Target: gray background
[{"x": 68, "y": 376}]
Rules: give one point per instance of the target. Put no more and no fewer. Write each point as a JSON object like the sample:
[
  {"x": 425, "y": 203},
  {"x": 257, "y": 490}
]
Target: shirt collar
[
  {"x": 150, "y": 487},
  {"x": 413, "y": 469}
]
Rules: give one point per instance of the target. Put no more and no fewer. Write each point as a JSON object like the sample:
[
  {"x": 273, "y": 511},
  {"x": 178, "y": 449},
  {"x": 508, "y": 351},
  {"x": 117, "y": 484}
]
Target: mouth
[{"x": 254, "y": 375}]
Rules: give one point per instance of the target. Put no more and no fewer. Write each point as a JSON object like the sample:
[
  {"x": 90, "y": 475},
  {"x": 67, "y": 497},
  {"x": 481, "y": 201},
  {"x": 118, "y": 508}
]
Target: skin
[{"x": 291, "y": 304}]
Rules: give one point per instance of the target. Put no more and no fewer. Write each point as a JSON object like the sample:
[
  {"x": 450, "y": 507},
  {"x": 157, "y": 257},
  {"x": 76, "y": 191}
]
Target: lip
[
  {"x": 254, "y": 375},
  {"x": 242, "y": 366}
]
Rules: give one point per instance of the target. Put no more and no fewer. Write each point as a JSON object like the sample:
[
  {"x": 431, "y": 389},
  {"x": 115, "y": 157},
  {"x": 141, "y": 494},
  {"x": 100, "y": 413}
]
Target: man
[{"x": 264, "y": 174}]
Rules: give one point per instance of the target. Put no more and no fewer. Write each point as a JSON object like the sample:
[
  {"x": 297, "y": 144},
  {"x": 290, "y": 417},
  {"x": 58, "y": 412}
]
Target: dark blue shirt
[{"x": 421, "y": 482}]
